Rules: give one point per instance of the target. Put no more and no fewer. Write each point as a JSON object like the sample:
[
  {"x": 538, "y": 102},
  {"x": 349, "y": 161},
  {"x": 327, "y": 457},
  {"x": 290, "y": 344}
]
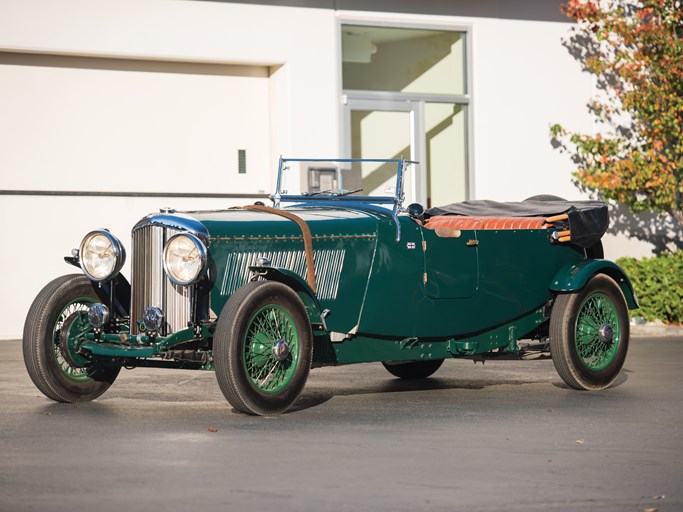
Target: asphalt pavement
[{"x": 506, "y": 436}]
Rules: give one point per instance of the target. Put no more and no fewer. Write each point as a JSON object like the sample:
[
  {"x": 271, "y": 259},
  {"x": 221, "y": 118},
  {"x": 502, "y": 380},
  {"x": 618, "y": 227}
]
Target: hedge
[{"x": 658, "y": 283}]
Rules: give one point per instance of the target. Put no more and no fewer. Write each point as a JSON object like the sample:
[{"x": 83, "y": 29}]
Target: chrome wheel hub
[
  {"x": 606, "y": 333},
  {"x": 280, "y": 349}
]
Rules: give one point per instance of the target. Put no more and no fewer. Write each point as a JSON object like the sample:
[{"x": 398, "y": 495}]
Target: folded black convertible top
[{"x": 587, "y": 220}]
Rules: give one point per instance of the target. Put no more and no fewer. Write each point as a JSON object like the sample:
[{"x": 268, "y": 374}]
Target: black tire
[
  {"x": 545, "y": 197},
  {"x": 253, "y": 378},
  {"x": 589, "y": 334},
  {"x": 413, "y": 369},
  {"x": 49, "y": 352}
]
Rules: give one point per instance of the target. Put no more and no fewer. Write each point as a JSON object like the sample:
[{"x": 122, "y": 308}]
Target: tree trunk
[{"x": 678, "y": 215}]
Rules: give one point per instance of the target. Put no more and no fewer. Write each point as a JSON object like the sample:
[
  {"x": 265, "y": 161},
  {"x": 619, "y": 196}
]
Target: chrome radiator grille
[{"x": 151, "y": 287}]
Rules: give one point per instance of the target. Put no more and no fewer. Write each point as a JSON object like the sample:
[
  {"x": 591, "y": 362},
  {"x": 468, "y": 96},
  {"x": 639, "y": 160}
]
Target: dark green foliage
[{"x": 658, "y": 282}]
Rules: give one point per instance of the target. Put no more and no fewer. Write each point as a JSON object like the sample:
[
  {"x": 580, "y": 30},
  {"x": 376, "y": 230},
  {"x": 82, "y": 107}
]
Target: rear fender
[{"x": 574, "y": 276}]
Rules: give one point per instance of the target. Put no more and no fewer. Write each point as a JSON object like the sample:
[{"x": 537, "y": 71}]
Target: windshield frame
[{"x": 393, "y": 202}]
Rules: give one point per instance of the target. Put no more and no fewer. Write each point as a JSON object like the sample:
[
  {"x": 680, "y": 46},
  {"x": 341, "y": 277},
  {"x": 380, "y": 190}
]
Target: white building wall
[
  {"x": 523, "y": 80},
  {"x": 303, "y": 40},
  {"x": 299, "y": 46}
]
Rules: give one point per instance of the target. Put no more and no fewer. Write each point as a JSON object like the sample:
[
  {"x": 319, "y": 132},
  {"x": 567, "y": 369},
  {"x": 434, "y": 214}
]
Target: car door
[{"x": 451, "y": 263}]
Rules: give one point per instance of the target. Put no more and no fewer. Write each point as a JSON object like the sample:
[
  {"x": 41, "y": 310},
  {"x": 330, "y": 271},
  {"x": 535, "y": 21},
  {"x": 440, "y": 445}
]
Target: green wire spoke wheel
[
  {"x": 271, "y": 349},
  {"x": 263, "y": 348},
  {"x": 597, "y": 332},
  {"x": 69, "y": 330},
  {"x": 55, "y": 327},
  {"x": 589, "y": 334}
]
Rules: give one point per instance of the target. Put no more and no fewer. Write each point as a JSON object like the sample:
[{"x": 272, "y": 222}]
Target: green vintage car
[{"x": 330, "y": 275}]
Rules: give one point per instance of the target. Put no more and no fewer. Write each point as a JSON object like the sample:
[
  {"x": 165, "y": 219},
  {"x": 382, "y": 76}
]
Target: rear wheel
[
  {"x": 55, "y": 327},
  {"x": 589, "y": 334},
  {"x": 263, "y": 348},
  {"x": 413, "y": 369},
  {"x": 545, "y": 197}
]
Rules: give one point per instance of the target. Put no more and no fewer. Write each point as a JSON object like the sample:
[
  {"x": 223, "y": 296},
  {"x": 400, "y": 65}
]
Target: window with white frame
[{"x": 406, "y": 94}]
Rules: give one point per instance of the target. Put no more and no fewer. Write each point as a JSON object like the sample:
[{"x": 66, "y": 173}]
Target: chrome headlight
[
  {"x": 102, "y": 255},
  {"x": 184, "y": 258}
]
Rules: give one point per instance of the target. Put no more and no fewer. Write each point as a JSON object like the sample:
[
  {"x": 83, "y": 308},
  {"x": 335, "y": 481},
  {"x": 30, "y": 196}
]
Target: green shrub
[{"x": 658, "y": 283}]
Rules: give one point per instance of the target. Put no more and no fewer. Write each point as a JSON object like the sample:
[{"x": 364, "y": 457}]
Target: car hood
[{"x": 323, "y": 222}]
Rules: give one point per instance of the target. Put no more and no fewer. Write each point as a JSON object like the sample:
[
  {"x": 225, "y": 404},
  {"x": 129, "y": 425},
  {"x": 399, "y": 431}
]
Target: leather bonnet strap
[{"x": 305, "y": 231}]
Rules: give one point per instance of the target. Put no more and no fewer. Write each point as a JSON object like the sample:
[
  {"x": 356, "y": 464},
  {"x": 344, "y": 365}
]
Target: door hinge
[
  {"x": 472, "y": 243},
  {"x": 424, "y": 278},
  {"x": 424, "y": 245}
]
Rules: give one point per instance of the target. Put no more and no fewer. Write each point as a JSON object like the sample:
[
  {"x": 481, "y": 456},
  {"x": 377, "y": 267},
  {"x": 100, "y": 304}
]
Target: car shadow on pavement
[{"x": 315, "y": 396}]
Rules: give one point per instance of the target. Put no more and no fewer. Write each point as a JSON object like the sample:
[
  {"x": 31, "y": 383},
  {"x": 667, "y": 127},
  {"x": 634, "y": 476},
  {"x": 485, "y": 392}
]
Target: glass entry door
[
  {"x": 431, "y": 133},
  {"x": 406, "y": 92},
  {"x": 386, "y": 129}
]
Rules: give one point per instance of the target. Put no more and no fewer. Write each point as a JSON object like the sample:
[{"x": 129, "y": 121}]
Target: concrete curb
[{"x": 656, "y": 329}]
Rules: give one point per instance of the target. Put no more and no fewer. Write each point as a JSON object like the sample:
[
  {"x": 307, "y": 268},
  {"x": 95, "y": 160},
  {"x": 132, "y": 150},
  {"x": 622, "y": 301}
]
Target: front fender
[
  {"x": 296, "y": 283},
  {"x": 574, "y": 276},
  {"x": 121, "y": 285}
]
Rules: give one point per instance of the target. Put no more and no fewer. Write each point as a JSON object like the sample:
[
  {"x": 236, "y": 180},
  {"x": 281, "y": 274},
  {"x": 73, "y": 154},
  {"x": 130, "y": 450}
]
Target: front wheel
[
  {"x": 413, "y": 369},
  {"x": 589, "y": 334},
  {"x": 55, "y": 326},
  {"x": 263, "y": 348}
]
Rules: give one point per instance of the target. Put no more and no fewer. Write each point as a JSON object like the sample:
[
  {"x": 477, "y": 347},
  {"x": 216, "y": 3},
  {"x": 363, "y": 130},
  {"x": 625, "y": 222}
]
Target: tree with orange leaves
[{"x": 635, "y": 50}]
